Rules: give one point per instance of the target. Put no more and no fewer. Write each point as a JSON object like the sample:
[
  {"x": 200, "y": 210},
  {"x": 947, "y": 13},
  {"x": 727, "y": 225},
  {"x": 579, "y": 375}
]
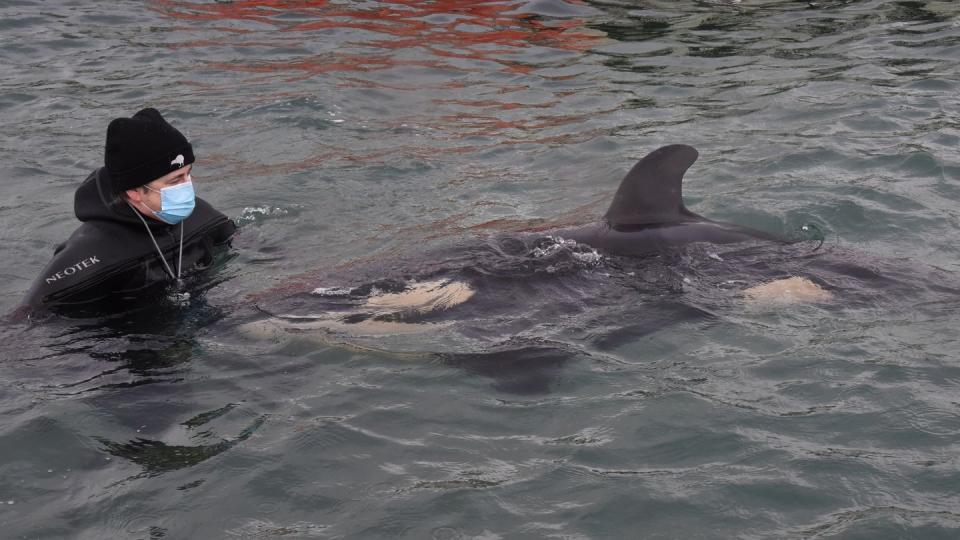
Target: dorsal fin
[{"x": 651, "y": 192}]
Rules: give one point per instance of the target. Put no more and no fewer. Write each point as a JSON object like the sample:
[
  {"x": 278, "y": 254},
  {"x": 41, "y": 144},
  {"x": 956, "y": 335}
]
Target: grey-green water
[{"x": 345, "y": 135}]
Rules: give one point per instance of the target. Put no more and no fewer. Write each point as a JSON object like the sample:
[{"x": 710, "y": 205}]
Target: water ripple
[{"x": 363, "y": 143}]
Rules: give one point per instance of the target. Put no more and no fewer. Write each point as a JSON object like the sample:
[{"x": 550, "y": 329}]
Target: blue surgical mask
[{"x": 176, "y": 202}]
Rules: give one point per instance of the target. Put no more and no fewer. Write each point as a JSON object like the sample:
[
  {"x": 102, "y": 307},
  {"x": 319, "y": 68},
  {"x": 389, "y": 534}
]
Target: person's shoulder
[
  {"x": 210, "y": 221},
  {"x": 206, "y": 211},
  {"x": 92, "y": 251}
]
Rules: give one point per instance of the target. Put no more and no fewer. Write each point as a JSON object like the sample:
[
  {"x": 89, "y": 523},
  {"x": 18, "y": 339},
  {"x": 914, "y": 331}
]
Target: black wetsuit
[{"x": 110, "y": 262}]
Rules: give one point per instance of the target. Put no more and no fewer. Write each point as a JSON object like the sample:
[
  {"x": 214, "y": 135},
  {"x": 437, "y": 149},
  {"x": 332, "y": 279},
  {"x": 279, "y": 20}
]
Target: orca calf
[
  {"x": 647, "y": 217},
  {"x": 516, "y": 306},
  {"x": 647, "y": 214}
]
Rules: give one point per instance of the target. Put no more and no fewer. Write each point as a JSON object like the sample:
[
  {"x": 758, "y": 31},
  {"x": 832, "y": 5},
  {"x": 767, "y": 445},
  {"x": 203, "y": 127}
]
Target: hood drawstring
[{"x": 166, "y": 265}]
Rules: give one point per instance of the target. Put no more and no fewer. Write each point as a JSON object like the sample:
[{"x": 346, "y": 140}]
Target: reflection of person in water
[{"x": 142, "y": 226}]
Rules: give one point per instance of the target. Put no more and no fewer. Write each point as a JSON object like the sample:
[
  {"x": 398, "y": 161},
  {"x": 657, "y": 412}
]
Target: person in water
[{"x": 142, "y": 227}]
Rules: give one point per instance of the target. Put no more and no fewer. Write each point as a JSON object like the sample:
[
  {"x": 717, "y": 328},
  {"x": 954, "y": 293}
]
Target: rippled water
[{"x": 356, "y": 141}]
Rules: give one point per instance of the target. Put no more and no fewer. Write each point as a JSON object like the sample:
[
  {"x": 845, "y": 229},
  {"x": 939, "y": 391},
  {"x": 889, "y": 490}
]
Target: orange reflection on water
[
  {"x": 449, "y": 57},
  {"x": 316, "y": 65},
  {"x": 449, "y": 30}
]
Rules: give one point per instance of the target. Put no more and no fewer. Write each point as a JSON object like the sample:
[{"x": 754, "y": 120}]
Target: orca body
[
  {"x": 515, "y": 307},
  {"x": 647, "y": 214}
]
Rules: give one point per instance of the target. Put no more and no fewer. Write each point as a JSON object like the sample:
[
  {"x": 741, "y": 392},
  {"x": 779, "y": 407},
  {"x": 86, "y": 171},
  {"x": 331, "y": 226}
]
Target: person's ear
[{"x": 134, "y": 195}]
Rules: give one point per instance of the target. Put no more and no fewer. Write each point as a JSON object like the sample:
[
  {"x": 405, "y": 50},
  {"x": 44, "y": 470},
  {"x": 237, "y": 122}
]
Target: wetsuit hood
[{"x": 94, "y": 202}]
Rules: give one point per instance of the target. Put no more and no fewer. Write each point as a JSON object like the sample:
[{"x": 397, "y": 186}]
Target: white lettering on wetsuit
[{"x": 71, "y": 270}]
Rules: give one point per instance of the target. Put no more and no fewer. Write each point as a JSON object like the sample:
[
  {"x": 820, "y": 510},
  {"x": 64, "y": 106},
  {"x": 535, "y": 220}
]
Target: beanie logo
[{"x": 178, "y": 161}]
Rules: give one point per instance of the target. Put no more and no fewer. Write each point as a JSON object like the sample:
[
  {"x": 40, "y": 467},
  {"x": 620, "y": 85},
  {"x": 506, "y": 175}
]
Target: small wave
[
  {"x": 332, "y": 291},
  {"x": 567, "y": 254},
  {"x": 254, "y": 214}
]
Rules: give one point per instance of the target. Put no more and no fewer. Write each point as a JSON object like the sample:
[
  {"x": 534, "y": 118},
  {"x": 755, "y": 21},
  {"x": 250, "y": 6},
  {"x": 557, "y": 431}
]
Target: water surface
[{"x": 348, "y": 138}]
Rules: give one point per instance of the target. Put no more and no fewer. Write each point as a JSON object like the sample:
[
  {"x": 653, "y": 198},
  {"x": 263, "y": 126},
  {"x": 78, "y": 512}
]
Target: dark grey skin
[
  {"x": 528, "y": 314},
  {"x": 647, "y": 214}
]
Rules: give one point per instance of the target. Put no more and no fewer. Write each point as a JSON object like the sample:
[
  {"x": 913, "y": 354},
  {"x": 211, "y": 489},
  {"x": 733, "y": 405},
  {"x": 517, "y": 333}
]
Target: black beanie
[{"x": 143, "y": 148}]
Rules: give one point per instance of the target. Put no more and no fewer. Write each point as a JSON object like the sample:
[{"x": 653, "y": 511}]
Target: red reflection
[
  {"x": 449, "y": 30},
  {"x": 355, "y": 44}
]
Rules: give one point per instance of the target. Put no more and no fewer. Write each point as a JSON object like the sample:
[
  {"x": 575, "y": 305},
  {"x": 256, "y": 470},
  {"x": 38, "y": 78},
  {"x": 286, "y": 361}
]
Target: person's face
[{"x": 146, "y": 198}]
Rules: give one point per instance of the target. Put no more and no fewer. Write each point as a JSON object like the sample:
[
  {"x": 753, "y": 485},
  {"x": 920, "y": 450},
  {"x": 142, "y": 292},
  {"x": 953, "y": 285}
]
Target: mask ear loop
[{"x": 159, "y": 251}]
